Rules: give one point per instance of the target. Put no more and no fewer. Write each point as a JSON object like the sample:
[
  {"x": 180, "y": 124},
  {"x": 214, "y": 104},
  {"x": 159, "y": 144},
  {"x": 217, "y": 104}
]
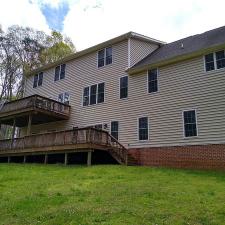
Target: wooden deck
[
  {"x": 42, "y": 109},
  {"x": 84, "y": 139}
]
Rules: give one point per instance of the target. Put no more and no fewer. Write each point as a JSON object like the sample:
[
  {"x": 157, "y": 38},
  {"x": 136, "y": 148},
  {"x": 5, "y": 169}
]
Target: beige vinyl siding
[
  {"x": 139, "y": 50},
  {"x": 182, "y": 86}
]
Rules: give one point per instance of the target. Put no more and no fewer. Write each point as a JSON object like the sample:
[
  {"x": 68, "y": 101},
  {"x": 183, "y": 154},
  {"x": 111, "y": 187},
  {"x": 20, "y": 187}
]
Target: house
[{"x": 142, "y": 100}]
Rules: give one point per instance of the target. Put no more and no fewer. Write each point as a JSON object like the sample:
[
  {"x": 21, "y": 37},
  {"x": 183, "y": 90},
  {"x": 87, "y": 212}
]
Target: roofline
[
  {"x": 179, "y": 58},
  {"x": 96, "y": 47}
]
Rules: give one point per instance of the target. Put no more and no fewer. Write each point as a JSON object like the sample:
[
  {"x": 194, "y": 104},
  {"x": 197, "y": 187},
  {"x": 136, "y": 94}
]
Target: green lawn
[{"x": 54, "y": 194}]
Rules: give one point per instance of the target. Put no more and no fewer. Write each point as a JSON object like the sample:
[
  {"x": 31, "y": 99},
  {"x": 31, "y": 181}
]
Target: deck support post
[
  {"x": 29, "y": 124},
  {"x": 9, "y": 159},
  {"x": 13, "y": 131},
  {"x": 66, "y": 159},
  {"x": 46, "y": 159},
  {"x": 89, "y": 158},
  {"x": 24, "y": 159}
]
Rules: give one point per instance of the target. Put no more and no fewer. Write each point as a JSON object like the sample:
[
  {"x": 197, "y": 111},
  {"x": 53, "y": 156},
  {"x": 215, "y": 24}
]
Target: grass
[{"x": 54, "y": 194}]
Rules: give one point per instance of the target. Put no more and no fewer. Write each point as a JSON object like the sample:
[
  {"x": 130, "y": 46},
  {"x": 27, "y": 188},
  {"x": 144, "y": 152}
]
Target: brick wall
[{"x": 194, "y": 157}]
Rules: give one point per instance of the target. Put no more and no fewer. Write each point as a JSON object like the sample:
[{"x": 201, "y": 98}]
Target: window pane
[
  {"x": 209, "y": 62},
  {"x": 143, "y": 128},
  {"x": 101, "y": 92},
  {"x": 124, "y": 87},
  {"x": 190, "y": 127},
  {"x": 108, "y": 56},
  {"x": 66, "y": 98},
  {"x": 40, "y": 79},
  {"x": 93, "y": 94},
  {"x": 115, "y": 129},
  {"x": 60, "y": 97},
  {"x": 220, "y": 59},
  {"x": 62, "y": 71},
  {"x": 57, "y": 69},
  {"x": 101, "y": 57},
  {"x": 86, "y": 96},
  {"x": 153, "y": 80},
  {"x": 35, "y": 81}
]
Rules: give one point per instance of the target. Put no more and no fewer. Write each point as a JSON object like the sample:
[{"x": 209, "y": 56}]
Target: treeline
[{"x": 24, "y": 49}]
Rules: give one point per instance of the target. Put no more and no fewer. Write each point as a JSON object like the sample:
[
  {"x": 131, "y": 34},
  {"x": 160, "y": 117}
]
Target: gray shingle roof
[{"x": 190, "y": 44}]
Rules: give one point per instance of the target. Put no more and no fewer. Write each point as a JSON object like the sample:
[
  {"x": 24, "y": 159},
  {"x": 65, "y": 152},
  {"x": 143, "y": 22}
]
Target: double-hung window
[
  {"x": 190, "y": 123},
  {"x": 94, "y": 94},
  {"x": 64, "y": 98},
  {"x": 215, "y": 60},
  {"x": 123, "y": 87},
  {"x": 143, "y": 128},
  {"x": 105, "y": 57},
  {"x": 152, "y": 80},
  {"x": 60, "y": 72},
  {"x": 115, "y": 129},
  {"x": 38, "y": 79}
]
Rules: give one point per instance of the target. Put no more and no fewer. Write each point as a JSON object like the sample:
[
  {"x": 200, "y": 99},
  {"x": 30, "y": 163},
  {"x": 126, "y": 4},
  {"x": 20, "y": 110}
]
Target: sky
[{"x": 89, "y": 22}]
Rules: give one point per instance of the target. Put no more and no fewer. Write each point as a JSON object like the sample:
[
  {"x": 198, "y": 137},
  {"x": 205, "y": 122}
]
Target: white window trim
[
  {"x": 38, "y": 86},
  {"x": 110, "y": 123},
  {"x": 153, "y": 93},
  {"x": 127, "y": 87},
  {"x": 196, "y": 118},
  {"x": 104, "y": 57},
  {"x": 63, "y": 93},
  {"x": 214, "y": 60},
  {"x": 82, "y": 100},
  {"x": 147, "y": 140}
]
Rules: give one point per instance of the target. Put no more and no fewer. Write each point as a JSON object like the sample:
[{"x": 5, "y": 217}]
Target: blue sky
[{"x": 88, "y": 22}]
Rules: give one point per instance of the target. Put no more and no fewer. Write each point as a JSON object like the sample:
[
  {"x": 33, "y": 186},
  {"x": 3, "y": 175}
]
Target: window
[
  {"x": 152, "y": 80},
  {"x": 215, "y": 60},
  {"x": 190, "y": 124},
  {"x": 60, "y": 72},
  {"x": 64, "y": 98},
  {"x": 86, "y": 96},
  {"x": 94, "y": 94},
  {"x": 115, "y": 129},
  {"x": 143, "y": 128},
  {"x": 123, "y": 87},
  {"x": 105, "y": 57},
  {"x": 101, "y": 92},
  {"x": 209, "y": 62},
  {"x": 220, "y": 59},
  {"x": 38, "y": 79}
]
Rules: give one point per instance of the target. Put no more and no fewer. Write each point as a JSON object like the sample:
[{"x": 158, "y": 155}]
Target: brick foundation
[{"x": 193, "y": 157}]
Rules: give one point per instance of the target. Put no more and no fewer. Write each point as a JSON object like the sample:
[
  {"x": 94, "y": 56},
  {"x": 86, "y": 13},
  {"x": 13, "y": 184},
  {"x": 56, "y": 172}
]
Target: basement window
[
  {"x": 190, "y": 123},
  {"x": 143, "y": 128}
]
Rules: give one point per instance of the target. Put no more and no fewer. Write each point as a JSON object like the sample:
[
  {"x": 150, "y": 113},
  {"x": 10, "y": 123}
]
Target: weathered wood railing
[
  {"x": 35, "y": 102},
  {"x": 89, "y": 136}
]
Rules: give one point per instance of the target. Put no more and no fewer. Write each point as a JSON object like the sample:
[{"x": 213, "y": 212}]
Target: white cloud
[
  {"x": 92, "y": 21},
  {"x": 23, "y": 13}
]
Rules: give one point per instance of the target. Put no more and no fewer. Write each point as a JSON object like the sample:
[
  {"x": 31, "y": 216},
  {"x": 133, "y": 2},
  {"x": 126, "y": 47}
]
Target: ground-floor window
[
  {"x": 143, "y": 128},
  {"x": 190, "y": 123},
  {"x": 115, "y": 129}
]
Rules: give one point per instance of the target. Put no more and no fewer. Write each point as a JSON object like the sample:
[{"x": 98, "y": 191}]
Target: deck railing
[
  {"x": 91, "y": 136},
  {"x": 35, "y": 102}
]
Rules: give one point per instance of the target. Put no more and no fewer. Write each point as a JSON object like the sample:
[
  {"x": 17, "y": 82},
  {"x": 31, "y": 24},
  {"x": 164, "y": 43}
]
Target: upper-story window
[
  {"x": 124, "y": 87},
  {"x": 38, "y": 79},
  {"x": 60, "y": 72},
  {"x": 105, "y": 57},
  {"x": 152, "y": 80},
  {"x": 64, "y": 98},
  {"x": 215, "y": 60},
  {"x": 94, "y": 94},
  {"x": 190, "y": 123}
]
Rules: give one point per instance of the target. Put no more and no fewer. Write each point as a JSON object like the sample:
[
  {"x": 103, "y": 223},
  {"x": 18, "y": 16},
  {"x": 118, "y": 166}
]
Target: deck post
[
  {"x": 66, "y": 159},
  {"x": 46, "y": 159},
  {"x": 24, "y": 159},
  {"x": 9, "y": 159},
  {"x": 13, "y": 131},
  {"x": 29, "y": 124},
  {"x": 89, "y": 158}
]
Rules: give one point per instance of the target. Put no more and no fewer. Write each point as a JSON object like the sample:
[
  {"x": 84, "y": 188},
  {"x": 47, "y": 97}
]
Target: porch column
[
  {"x": 24, "y": 159},
  {"x": 66, "y": 159},
  {"x": 46, "y": 159},
  {"x": 13, "y": 131},
  {"x": 29, "y": 124},
  {"x": 9, "y": 159},
  {"x": 89, "y": 158}
]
